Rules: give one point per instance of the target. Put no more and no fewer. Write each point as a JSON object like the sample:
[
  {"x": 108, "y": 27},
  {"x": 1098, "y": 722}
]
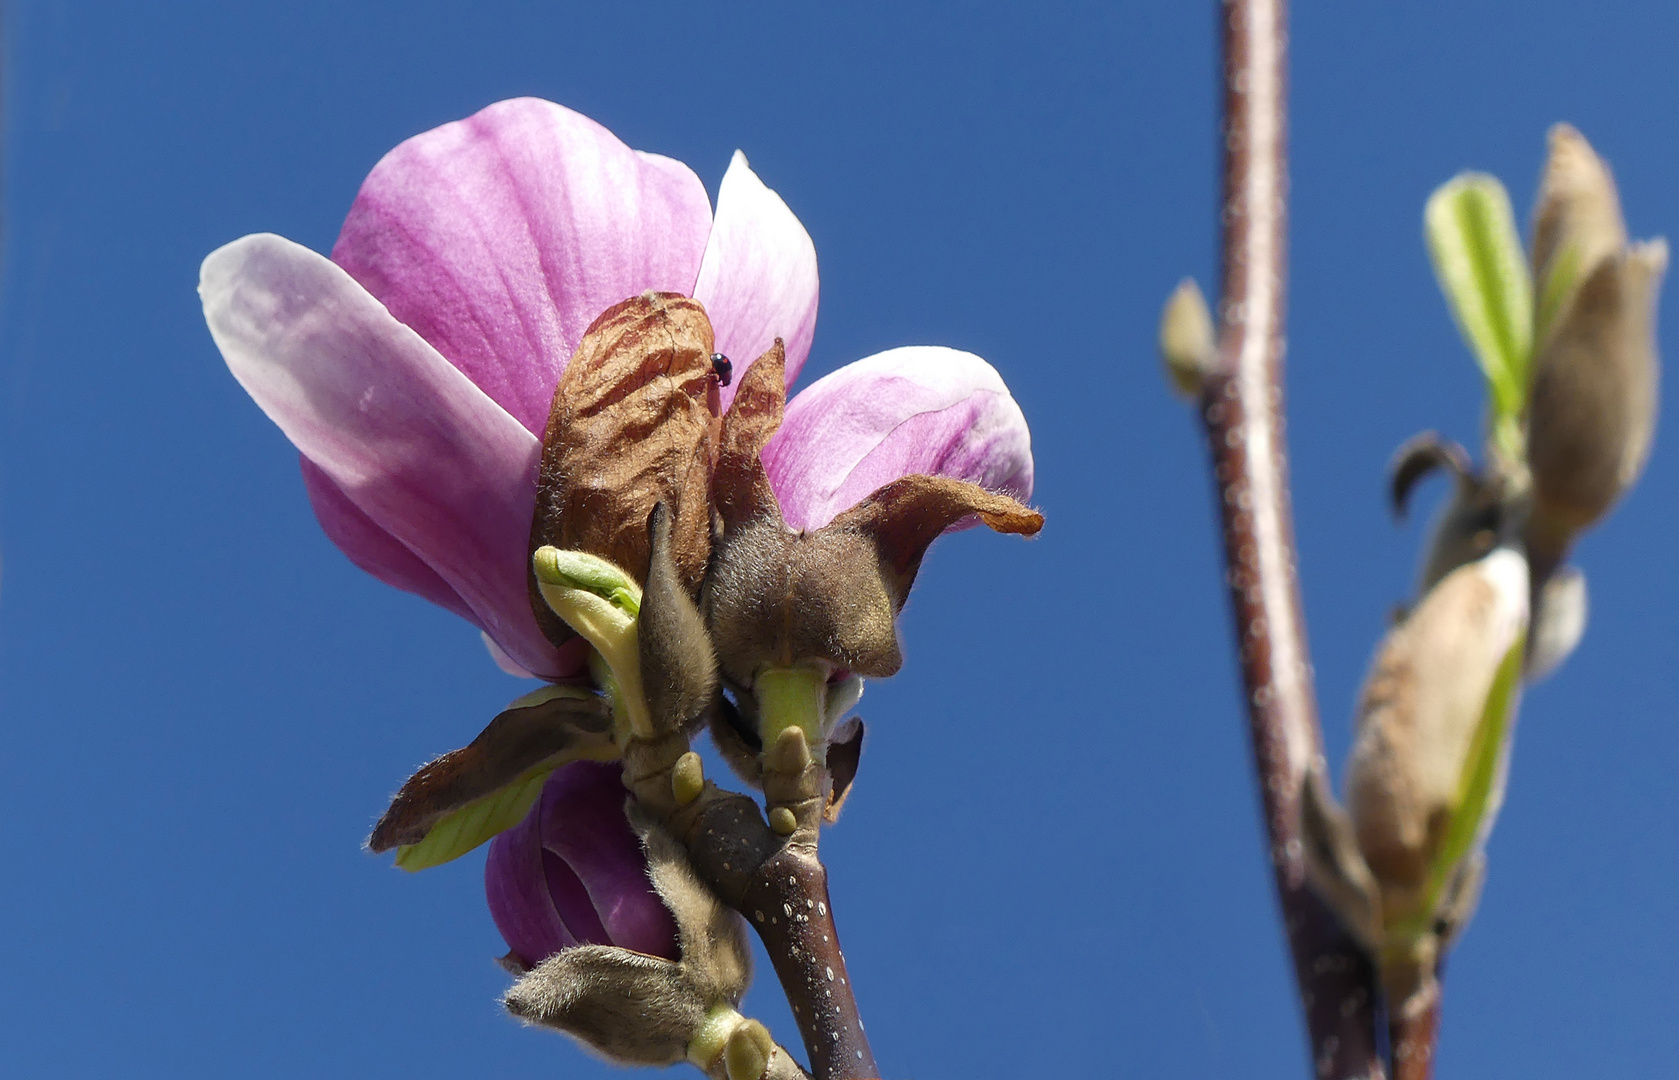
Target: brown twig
[
  {"x": 1243, "y": 411},
  {"x": 1413, "y": 1039},
  {"x": 779, "y": 885}
]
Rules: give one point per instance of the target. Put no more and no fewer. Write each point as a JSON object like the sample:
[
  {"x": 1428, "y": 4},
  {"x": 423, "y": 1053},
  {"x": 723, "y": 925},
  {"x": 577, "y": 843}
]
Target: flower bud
[
  {"x": 1593, "y": 406},
  {"x": 1576, "y": 220},
  {"x": 1427, "y": 770},
  {"x": 1188, "y": 344}
]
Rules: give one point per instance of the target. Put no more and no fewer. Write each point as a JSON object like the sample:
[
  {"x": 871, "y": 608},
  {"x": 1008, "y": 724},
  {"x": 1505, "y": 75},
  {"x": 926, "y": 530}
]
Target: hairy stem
[{"x": 1242, "y": 406}]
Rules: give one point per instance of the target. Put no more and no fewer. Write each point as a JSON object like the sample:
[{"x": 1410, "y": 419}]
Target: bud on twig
[
  {"x": 1188, "y": 344},
  {"x": 1402, "y": 866},
  {"x": 1592, "y": 410},
  {"x": 1593, "y": 407}
]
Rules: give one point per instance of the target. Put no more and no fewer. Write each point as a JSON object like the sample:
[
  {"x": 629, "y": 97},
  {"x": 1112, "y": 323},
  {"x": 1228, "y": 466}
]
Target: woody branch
[{"x": 1242, "y": 408}]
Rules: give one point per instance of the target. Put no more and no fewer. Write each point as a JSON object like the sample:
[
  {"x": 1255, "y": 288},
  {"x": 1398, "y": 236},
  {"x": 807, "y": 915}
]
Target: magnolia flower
[
  {"x": 415, "y": 369},
  {"x": 573, "y": 873}
]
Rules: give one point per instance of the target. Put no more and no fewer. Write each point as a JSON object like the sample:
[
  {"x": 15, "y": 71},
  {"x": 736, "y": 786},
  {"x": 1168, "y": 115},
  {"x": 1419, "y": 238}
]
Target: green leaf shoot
[
  {"x": 1481, "y": 785},
  {"x": 1478, "y": 260}
]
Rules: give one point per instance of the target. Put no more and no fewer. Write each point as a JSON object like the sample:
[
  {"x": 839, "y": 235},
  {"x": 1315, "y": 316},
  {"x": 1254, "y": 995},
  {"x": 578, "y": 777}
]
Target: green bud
[
  {"x": 591, "y": 573},
  {"x": 1188, "y": 343},
  {"x": 748, "y": 1052},
  {"x": 603, "y": 604}
]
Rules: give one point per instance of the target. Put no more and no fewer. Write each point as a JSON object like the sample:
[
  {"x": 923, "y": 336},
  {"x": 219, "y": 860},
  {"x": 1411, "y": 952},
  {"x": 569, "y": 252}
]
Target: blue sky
[{"x": 1051, "y": 864}]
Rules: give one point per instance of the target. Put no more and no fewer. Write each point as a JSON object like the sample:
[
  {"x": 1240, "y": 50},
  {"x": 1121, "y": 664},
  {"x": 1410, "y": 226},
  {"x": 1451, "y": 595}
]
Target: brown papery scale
[{"x": 634, "y": 423}]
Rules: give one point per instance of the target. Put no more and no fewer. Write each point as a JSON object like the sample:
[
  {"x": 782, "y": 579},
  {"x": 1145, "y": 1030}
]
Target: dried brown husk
[
  {"x": 634, "y": 423},
  {"x": 520, "y": 739}
]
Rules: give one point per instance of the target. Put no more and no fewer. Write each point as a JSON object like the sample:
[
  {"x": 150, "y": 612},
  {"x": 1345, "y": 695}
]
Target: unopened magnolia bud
[
  {"x": 1593, "y": 407},
  {"x": 632, "y": 1008},
  {"x": 640, "y": 1009},
  {"x": 1576, "y": 221},
  {"x": 678, "y": 668},
  {"x": 1427, "y": 770},
  {"x": 1188, "y": 344}
]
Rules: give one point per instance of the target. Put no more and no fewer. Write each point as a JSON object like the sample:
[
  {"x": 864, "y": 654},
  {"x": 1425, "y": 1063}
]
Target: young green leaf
[
  {"x": 481, "y": 819},
  {"x": 1478, "y": 259},
  {"x": 1481, "y": 787}
]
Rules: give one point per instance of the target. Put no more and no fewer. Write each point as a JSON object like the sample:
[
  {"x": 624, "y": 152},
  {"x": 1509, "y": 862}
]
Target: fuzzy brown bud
[
  {"x": 1592, "y": 412},
  {"x": 637, "y": 1009}
]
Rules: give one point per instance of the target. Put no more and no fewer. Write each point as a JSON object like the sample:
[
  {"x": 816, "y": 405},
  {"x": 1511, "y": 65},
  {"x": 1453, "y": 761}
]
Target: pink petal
[
  {"x": 758, "y": 280},
  {"x": 920, "y": 409},
  {"x": 520, "y": 894},
  {"x": 506, "y": 663},
  {"x": 424, "y": 454},
  {"x": 583, "y": 823},
  {"x": 500, "y": 237}
]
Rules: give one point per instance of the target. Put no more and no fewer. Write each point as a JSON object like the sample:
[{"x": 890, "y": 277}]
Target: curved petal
[
  {"x": 500, "y": 237},
  {"x": 918, "y": 409},
  {"x": 758, "y": 280},
  {"x": 421, "y": 451},
  {"x": 583, "y": 823},
  {"x": 506, "y": 663},
  {"x": 517, "y": 888}
]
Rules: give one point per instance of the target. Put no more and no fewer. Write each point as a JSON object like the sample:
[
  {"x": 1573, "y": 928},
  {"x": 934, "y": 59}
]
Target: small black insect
[{"x": 724, "y": 369}]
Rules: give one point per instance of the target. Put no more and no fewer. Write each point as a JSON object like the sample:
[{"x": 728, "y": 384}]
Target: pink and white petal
[
  {"x": 758, "y": 281},
  {"x": 420, "y": 450},
  {"x": 918, "y": 409},
  {"x": 373, "y": 549},
  {"x": 500, "y": 238},
  {"x": 506, "y": 663}
]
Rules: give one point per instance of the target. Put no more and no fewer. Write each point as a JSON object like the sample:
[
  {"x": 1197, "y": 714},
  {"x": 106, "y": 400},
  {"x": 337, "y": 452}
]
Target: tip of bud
[
  {"x": 790, "y": 753},
  {"x": 687, "y": 778},
  {"x": 564, "y": 569},
  {"x": 1188, "y": 344},
  {"x": 783, "y": 821},
  {"x": 748, "y": 1052}
]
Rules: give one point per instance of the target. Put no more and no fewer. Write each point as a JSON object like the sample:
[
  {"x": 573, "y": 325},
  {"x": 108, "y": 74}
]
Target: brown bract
[
  {"x": 520, "y": 739},
  {"x": 634, "y": 423}
]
